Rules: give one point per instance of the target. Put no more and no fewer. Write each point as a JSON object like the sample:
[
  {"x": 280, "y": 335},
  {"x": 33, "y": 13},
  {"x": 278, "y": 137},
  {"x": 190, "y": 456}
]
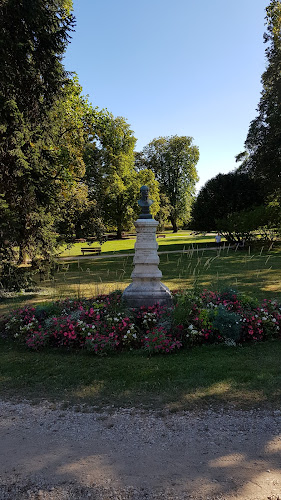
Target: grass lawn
[
  {"x": 257, "y": 274},
  {"x": 172, "y": 241},
  {"x": 244, "y": 377}
]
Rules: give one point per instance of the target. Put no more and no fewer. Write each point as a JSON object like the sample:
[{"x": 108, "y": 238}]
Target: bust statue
[{"x": 145, "y": 203}]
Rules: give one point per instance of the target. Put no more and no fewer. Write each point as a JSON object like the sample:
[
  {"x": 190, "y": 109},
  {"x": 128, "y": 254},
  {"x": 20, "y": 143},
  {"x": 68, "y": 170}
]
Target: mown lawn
[
  {"x": 180, "y": 240},
  {"x": 246, "y": 376},
  {"x": 243, "y": 377},
  {"x": 257, "y": 273}
]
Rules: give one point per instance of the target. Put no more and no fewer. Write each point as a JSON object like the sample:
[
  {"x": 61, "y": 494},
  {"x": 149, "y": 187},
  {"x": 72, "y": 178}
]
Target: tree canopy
[
  {"x": 33, "y": 36},
  {"x": 262, "y": 158},
  {"x": 223, "y": 195},
  {"x": 173, "y": 160}
]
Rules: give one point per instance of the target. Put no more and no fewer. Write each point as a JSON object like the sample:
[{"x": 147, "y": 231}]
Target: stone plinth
[{"x": 146, "y": 288}]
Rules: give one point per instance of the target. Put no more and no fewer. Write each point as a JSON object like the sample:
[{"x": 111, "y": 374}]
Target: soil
[{"x": 49, "y": 453}]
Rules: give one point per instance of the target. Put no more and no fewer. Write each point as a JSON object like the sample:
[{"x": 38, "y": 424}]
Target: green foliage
[
  {"x": 262, "y": 158},
  {"x": 15, "y": 279},
  {"x": 184, "y": 302},
  {"x": 173, "y": 161},
  {"x": 34, "y": 169},
  {"x": 221, "y": 197},
  {"x": 110, "y": 173},
  {"x": 227, "y": 323},
  {"x": 243, "y": 225}
]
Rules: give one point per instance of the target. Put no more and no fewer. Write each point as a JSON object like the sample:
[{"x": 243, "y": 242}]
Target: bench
[
  {"x": 160, "y": 235},
  {"x": 96, "y": 250}
]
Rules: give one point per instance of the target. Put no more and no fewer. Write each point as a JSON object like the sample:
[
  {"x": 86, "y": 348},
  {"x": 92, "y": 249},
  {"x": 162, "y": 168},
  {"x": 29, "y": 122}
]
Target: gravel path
[{"x": 53, "y": 454}]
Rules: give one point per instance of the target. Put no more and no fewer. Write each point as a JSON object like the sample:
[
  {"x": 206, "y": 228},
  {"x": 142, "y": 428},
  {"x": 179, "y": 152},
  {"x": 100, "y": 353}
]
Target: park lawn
[
  {"x": 242, "y": 377},
  {"x": 172, "y": 241},
  {"x": 257, "y": 274}
]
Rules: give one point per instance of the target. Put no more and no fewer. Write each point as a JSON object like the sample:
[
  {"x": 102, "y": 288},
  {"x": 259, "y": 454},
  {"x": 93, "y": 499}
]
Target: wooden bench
[
  {"x": 96, "y": 250},
  {"x": 160, "y": 235}
]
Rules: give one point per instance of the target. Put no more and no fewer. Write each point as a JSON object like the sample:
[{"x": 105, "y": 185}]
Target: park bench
[
  {"x": 160, "y": 235},
  {"x": 96, "y": 250}
]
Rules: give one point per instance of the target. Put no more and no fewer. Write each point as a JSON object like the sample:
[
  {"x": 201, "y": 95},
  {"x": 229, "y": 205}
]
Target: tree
[
  {"x": 173, "y": 161},
  {"x": 243, "y": 225},
  {"x": 110, "y": 173},
  {"x": 222, "y": 196},
  {"x": 262, "y": 158},
  {"x": 33, "y": 37}
]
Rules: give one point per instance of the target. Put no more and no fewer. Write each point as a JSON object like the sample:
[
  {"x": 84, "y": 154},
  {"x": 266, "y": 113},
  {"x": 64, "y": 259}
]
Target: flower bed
[{"x": 103, "y": 324}]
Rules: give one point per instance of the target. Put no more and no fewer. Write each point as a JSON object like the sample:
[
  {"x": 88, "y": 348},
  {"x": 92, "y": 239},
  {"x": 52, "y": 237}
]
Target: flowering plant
[
  {"x": 158, "y": 340},
  {"x": 227, "y": 317},
  {"x": 103, "y": 324}
]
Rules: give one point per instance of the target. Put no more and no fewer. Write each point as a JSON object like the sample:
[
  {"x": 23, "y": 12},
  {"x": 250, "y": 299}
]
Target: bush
[{"x": 15, "y": 279}]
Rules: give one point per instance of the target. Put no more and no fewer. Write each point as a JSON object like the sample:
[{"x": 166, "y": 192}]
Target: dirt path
[
  {"x": 132, "y": 454},
  {"x": 121, "y": 255}
]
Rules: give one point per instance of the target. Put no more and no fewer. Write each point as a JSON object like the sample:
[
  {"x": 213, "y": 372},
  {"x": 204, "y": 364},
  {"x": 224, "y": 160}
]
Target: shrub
[{"x": 228, "y": 324}]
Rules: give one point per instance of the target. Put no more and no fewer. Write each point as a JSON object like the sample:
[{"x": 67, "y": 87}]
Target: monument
[{"x": 146, "y": 288}]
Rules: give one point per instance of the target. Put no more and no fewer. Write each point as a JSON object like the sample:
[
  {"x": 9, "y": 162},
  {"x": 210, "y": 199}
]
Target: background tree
[
  {"x": 262, "y": 158},
  {"x": 173, "y": 161},
  {"x": 110, "y": 174},
  {"x": 243, "y": 225},
  {"x": 223, "y": 195},
  {"x": 33, "y": 37}
]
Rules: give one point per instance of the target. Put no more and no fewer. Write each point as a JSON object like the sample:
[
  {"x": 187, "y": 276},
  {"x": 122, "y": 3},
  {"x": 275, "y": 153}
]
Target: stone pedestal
[{"x": 146, "y": 288}]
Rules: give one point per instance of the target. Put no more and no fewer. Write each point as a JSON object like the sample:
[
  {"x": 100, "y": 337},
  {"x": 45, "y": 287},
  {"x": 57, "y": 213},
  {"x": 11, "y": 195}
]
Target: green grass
[
  {"x": 257, "y": 274},
  {"x": 171, "y": 242},
  {"x": 245, "y": 377}
]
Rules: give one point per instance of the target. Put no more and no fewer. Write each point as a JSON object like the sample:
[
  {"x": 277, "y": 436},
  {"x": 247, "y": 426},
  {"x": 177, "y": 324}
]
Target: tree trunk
[
  {"x": 119, "y": 233},
  {"x": 174, "y": 224},
  {"x": 22, "y": 255}
]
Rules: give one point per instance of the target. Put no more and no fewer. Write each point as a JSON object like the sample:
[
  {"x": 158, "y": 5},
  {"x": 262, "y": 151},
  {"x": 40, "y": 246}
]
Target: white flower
[
  {"x": 263, "y": 318},
  {"x": 134, "y": 335},
  {"x": 125, "y": 337},
  {"x": 89, "y": 334},
  {"x": 190, "y": 327},
  {"x": 128, "y": 331}
]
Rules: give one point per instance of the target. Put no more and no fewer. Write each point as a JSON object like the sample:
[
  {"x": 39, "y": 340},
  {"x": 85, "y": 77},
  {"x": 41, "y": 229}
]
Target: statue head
[{"x": 144, "y": 193}]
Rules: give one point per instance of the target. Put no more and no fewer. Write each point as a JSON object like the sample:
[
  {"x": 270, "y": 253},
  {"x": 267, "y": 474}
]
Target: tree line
[
  {"x": 70, "y": 170},
  {"x": 249, "y": 198}
]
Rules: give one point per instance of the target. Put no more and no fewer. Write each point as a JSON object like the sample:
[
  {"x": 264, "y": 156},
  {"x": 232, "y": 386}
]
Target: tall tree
[
  {"x": 110, "y": 172},
  {"x": 262, "y": 158},
  {"x": 33, "y": 37},
  {"x": 173, "y": 161},
  {"x": 223, "y": 195}
]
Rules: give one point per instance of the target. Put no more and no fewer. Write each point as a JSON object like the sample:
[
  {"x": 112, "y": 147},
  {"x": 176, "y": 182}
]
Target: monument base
[
  {"x": 146, "y": 288},
  {"x": 144, "y": 293}
]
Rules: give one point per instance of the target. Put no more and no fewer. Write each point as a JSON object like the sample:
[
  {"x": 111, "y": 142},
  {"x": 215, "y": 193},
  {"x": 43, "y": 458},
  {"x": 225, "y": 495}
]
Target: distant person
[{"x": 218, "y": 239}]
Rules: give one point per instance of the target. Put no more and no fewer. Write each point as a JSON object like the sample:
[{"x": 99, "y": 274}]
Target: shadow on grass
[{"x": 245, "y": 377}]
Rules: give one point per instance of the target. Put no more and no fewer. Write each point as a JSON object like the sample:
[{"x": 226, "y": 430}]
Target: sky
[{"x": 174, "y": 67}]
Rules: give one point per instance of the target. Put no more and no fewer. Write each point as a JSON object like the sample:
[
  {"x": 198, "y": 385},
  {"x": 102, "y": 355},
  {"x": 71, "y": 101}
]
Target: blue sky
[{"x": 174, "y": 67}]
